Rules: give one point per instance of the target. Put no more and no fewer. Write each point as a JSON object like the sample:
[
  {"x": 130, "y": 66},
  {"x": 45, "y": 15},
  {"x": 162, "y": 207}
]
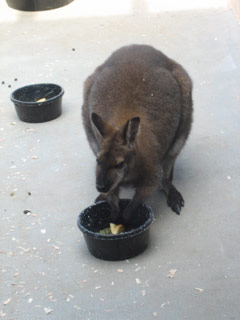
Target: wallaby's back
[{"x": 139, "y": 80}]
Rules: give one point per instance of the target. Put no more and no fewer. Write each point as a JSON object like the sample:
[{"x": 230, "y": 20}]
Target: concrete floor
[{"x": 48, "y": 168}]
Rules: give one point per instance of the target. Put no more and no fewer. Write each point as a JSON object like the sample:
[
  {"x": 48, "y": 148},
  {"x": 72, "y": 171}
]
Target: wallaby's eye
[
  {"x": 119, "y": 165},
  {"x": 98, "y": 161}
]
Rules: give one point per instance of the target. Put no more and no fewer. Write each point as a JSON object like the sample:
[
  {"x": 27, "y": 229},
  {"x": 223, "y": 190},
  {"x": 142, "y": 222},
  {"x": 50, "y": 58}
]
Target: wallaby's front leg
[
  {"x": 142, "y": 193},
  {"x": 113, "y": 200},
  {"x": 101, "y": 197}
]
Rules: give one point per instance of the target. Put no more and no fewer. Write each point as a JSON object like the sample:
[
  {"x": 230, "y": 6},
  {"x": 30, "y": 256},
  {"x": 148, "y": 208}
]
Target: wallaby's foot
[
  {"x": 128, "y": 213},
  {"x": 175, "y": 200},
  {"x": 115, "y": 217},
  {"x": 101, "y": 197}
]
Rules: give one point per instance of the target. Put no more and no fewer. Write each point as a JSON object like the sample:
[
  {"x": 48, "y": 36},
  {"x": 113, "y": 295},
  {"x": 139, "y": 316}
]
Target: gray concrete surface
[{"x": 48, "y": 168}]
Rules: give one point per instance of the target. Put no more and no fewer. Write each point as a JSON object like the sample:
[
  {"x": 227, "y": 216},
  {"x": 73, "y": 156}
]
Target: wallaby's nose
[{"x": 102, "y": 188}]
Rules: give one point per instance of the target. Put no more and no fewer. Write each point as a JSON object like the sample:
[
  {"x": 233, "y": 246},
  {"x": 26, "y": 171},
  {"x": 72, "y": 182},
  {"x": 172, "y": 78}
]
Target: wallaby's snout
[
  {"x": 110, "y": 168},
  {"x": 102, "y": 187},
  {"x": 103, "y": 184}
]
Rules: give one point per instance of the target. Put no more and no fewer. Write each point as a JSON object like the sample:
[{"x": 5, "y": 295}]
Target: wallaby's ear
[
  {"x": 99, "y": 123},
  {"x": 131, "y": 130}
]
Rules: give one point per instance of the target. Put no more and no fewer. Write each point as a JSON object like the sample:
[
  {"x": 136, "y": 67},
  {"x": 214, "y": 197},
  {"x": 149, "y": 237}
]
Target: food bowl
[
  {"x": 36, "y": 5},
  {"x": 114, "y": 247},
  {"x": 38, "y": 102}
]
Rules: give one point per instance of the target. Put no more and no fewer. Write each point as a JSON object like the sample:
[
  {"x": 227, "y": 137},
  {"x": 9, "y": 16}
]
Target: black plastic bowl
[
  {"x": 119, "y": 246},
  {"x": 37, "y": 5},
  {"x": 29, "y": 110}
]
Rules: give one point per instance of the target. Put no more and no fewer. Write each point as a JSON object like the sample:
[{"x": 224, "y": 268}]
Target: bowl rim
[
  {"x": 14, "y": 100},
  {"x": 128, "y": 234}
]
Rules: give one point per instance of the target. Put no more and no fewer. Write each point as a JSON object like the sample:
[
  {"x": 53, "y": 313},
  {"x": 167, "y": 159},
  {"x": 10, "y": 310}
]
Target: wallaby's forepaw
[
  {"x": 175, "y": 200},
  {"x": 101, "y": 197},
  {"x": 115, "y": 217},
  {"x": 127, "y": 214}
]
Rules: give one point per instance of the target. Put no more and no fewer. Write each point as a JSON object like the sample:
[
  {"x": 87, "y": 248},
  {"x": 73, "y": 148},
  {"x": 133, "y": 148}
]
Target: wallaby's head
[{"x": 116, "y": 155}]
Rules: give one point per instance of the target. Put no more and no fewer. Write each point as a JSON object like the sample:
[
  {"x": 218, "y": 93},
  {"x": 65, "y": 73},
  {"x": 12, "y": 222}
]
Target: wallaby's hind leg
[
  {"x": 171, "y": 174},
  {"x": 168, "y": 166},
  {"x": 174, "y": 198}
]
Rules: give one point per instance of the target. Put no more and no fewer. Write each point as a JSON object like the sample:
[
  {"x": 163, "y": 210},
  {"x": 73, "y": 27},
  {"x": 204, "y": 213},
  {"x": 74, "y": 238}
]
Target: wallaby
[{"x": 137, "y": 114}]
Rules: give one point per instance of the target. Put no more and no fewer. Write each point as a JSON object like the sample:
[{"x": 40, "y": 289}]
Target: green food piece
[{"x": 105, "y": 231}]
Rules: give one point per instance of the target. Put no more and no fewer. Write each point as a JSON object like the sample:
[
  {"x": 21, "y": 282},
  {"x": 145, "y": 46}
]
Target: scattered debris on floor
[
  {"x": 2, "y": 313},
  {"x": 55, "y": 247},
  {"x": 164, "y": 304},
  {"x": 29, "y": 130},
  {"x": 98, "y": 287},
  {"x": 171, "y": 273},
  {"x": 77, "y": 307},
  {"x": 143, "y": 292},
  {"x": 47, "y": 310},
  {"x": 51, "y": 298},
  {"x": 69, "y": 298},
  {"x": 137, "y": 269},
  {"x": 27, "y": 212},
  {"x": 7, "y": 301}
]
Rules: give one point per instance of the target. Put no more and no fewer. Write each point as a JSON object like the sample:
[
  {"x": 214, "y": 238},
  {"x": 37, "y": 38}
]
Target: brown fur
[{"x": 137, "y": 114}]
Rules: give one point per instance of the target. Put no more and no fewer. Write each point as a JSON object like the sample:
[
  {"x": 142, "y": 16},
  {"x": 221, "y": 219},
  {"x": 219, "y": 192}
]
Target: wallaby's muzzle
[
  {"x": 103, "y": 184},
  {"x": 102, "y": 188}
]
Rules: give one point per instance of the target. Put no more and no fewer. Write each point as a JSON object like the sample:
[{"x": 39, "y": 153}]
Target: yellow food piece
[
  {"x": 116, "y": 228},
  {"x": 41, "y": 100}
]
